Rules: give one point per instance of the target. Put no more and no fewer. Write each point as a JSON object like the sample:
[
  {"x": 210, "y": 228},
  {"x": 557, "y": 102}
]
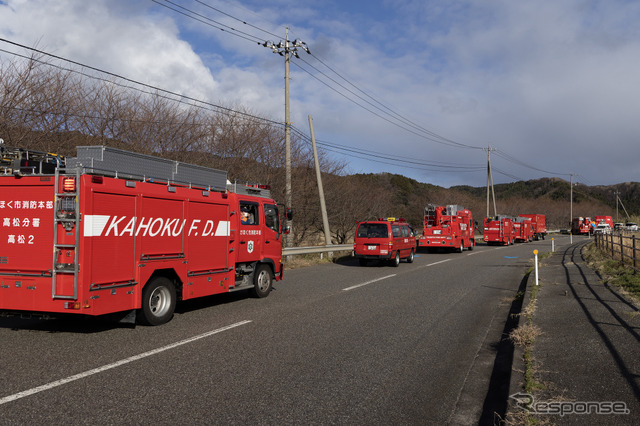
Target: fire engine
[
  {"x": 498, "y": 230},
  {"x": 449, "y": 227},
  {"x": 604, "y": 219},
  {"x": 111, "y": 231},
  {"x": 582, "y": 225},
  {"x": 522, "y": 229},
  {"x": 538, "y": 224}
]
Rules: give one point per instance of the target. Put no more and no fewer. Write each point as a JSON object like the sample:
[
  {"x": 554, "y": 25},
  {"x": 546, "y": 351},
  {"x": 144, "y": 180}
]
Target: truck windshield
[{"x": 373, "y": 230}]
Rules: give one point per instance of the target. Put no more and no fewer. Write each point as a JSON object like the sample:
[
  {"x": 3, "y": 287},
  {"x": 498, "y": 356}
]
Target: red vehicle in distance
[
  {"x": 538, "y": 224},
  {"x": 498, "y": 230},
  {"x": 388, "y": 239},
  {"x": 450, "y": 227}
]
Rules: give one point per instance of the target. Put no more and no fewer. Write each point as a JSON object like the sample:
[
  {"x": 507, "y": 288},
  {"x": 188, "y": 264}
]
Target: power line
[
  {"x": 237, "y": 19},
  {"x": 403, "y": 161},
  {"x": 180, "y": 97},
  {"x": 512, "y": 159},
  {"x": 386, "y": 110},
  {"x": 434, "y": 137},
  {"x": 388, "y": 120},
  {"x": 211, "y": 23},
  {"x": 384, "y": 107}
]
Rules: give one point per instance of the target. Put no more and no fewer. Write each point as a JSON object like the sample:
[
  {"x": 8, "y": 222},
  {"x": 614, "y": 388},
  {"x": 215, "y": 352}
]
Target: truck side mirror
[
  {"x": 289, "y": 213},
  {"x": 286, "y": 230}
]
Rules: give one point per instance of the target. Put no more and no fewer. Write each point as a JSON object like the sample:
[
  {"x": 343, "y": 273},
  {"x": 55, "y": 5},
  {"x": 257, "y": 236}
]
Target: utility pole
[
  {"x": 490, "y": 181},
  {"x": 571, "y": 203},
  {"x": 571, "y": 211},
  {"x": 323, "y": 206},
  {"x": 287, "y": 49},
  {"x": 617, "y": 198}
]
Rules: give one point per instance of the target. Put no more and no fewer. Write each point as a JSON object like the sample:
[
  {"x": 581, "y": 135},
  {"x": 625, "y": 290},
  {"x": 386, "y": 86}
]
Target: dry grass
[
  {"x": 305, "y": 260},
  {"x": 525, "y": 335}
]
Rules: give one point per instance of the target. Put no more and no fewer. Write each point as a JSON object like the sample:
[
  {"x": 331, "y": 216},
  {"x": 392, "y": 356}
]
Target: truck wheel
[
  {"x": 461, "y": 249},
  {"x": 410, "y": 258},
  {"x": 396, "y": 260},
  {"x": 158, "y": 302},
  {"x": 262, "y": 281},
  {"x": 472, "y": 244}
]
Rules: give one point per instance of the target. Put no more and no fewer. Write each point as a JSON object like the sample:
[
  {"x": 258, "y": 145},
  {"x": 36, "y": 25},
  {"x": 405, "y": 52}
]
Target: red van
[{"x": 384, "y": 239}]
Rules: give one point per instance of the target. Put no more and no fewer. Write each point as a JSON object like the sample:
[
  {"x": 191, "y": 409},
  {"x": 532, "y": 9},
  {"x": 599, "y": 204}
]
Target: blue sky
[{"x": 552, "y": 85}]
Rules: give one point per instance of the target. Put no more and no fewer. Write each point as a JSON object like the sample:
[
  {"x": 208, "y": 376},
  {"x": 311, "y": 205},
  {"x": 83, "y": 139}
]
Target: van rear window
[{"x": 373, "y": 230}]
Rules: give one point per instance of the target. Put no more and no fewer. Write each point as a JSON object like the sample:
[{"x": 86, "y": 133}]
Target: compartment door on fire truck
[
  {"x": 251, "y": 232},
  {"x": 109, "y": 232},
  {"x": 208, "y": 242}
]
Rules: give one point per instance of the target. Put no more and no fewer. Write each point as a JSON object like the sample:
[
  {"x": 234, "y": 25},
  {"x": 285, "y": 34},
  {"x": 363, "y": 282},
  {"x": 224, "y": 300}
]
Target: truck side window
[
  {"x": 405, "y": 231},
  {"x": 271, "y": 218},
  {"x": 249, "y": 213},
  {"x": 395, "y": 230}
]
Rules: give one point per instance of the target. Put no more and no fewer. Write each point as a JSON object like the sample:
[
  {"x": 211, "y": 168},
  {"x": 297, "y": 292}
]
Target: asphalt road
[{"x": 332, "y": 344}]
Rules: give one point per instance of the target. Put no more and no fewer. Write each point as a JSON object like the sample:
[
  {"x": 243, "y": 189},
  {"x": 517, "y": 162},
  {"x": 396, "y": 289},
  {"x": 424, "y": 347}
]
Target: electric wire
[
  {"x": 237, "y": 19},
  {"x": 386, "y": 110},
  {"x": 397, "y": 115},
  {"x": 374, "y": 103},
  {"x": 219, "y": 25},
  {"x": 431, "y": 166},
  {"x": 402, "y": 164},
  {"x": 377, "y": 114},
  {"x": 180, "y": 97}
]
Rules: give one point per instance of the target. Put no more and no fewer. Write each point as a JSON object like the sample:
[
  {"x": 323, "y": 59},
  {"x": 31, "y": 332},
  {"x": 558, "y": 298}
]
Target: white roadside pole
[
  {"x": 535, "y": 253},
  {"x": 553, "y": 245}
]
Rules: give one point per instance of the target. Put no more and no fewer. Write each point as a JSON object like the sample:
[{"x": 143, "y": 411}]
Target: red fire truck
[
  {"x": 604, "y": 219},
  {"x": 498, "y": 230},
  {"x": 448, "y": 227},
  {"x": 538, "y": 224},
  {"x": 582, "y": 225},
  {"x": 522, "y": 229},
  {"x": 111, "y": 231}
]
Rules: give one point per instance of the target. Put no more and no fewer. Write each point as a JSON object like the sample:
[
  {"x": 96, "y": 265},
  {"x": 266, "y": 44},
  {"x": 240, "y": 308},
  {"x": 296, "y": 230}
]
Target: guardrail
[
  {"x": 624, "y": 249},
  {"x": 317, "y": 249}
]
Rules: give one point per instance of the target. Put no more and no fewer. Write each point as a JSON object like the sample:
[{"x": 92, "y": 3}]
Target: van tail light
[{"x": 390, "y": 245}]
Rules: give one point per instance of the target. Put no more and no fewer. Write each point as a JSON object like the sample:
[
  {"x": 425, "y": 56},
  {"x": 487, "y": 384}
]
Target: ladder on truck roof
[
  {"x": 105, "y": 160},
  {"x": 65, "y": 213}
]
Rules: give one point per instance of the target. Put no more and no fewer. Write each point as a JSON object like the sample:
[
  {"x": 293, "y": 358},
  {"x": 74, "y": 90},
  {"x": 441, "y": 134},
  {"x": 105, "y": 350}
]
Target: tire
[
  {"x": 158, "y": 302},
  {"x": 396, "y": 260},
  {"x": 472, "y": 244},
  {"x": 363, "y": 262},
  {"x": 262, "y": 281},
  {"x": 461, "y": 249},
  {"x": 410, "y": 258}
]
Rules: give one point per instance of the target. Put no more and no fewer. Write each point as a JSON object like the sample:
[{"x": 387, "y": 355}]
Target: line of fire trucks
[
  {"x": 111, "y": 231},
  {"x": 453, "y": 227}
]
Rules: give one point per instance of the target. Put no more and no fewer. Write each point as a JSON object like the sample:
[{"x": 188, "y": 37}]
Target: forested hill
[{"x": 559, "y": 190}]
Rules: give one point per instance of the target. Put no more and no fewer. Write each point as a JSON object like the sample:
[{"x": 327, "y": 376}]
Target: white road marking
[
  {"x": 436, "y": 263},
  {"x": 368, "y": 282},
  {"x": 88, "y": 373}
]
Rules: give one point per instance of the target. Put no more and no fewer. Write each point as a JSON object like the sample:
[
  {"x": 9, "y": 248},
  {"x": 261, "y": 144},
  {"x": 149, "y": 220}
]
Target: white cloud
[{"x": 112, "y": 35}]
